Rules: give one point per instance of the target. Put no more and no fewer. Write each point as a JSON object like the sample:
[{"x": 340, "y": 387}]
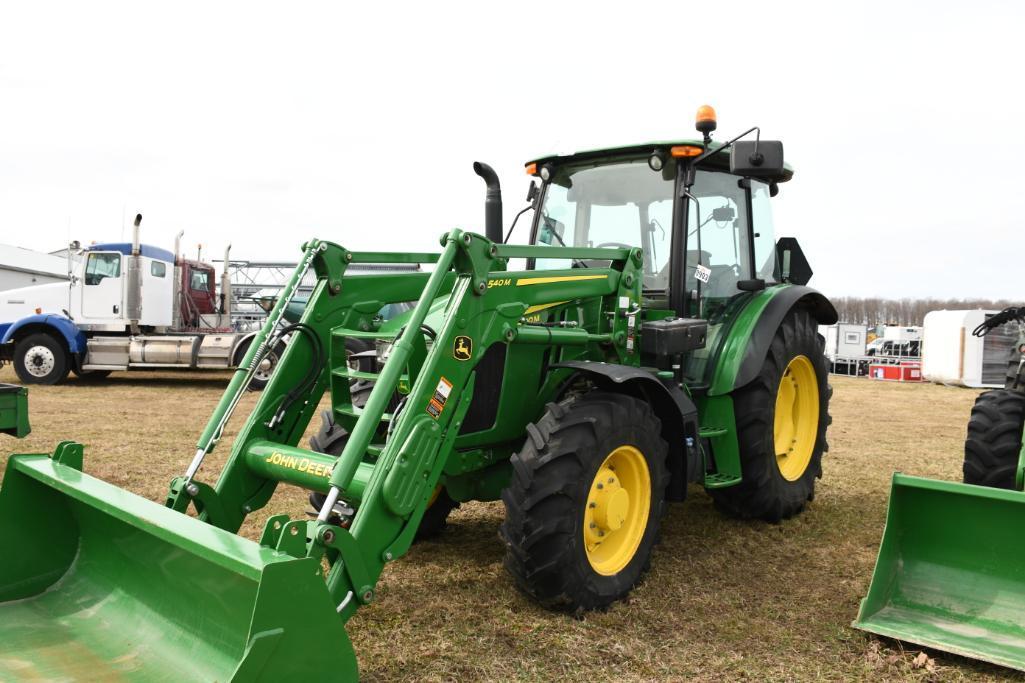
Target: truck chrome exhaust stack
[{"x": 133, "y": 295}]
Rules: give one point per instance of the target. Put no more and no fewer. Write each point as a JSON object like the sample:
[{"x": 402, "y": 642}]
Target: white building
[{"x": 24, "y": 267}]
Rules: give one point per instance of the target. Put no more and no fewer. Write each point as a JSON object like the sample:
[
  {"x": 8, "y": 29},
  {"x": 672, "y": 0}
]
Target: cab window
[
  {"x": 199, "y": 281},
  {"x": 615, "y": 205},
  {"x": 99, "y": 266}
]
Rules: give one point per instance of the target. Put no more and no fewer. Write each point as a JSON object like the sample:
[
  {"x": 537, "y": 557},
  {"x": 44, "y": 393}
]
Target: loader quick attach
[{"x": 585, "y": 391}]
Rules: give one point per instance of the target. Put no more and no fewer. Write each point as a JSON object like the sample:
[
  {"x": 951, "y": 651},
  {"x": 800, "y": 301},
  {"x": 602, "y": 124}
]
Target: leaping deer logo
[{"x": 463, "y": 348}]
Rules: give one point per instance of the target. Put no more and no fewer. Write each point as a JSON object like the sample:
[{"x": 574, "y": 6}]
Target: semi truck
[{"x": 125, "y": 306}]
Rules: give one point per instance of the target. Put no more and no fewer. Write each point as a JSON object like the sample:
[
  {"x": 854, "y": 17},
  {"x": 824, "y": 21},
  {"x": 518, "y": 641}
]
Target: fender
[
  {"x": 674, "y": 408},
  {"x": 747, "y": 343},
  {"x": 236, "y": 357},
  {"x": 64, "y": 327}
]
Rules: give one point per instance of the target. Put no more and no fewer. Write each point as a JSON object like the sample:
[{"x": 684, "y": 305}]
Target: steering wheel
[{"x": 619, "y": 245}]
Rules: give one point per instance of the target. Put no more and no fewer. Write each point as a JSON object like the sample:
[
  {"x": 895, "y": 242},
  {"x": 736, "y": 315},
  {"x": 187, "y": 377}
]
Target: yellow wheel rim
[
  {"x": 796, "y": 425},
  {"x": 618, "y": 505}
]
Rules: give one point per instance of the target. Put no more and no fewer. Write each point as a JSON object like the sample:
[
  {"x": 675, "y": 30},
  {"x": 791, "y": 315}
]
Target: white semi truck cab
[{"x": 125, "y": 306}]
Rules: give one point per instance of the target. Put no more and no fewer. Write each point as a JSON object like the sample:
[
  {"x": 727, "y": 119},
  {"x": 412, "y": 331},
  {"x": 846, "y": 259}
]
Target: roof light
[
  {"x": 686, "y": 151},
  {"x": 657, "y": 160},
  {"x": 705, "y": 119},
  {"x": 546, "y": 173},
  {"x": 531, "y": 169}
]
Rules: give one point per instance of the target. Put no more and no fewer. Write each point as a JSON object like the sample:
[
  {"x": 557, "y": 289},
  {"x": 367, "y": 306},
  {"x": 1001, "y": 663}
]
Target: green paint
[
  {"x": 951, "y": 571},
  {"x": 14, "y": 410}
]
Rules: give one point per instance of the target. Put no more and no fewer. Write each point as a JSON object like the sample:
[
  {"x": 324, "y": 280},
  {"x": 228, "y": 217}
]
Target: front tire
[
  {"x": 585, "y": 502},
  {"x": 993, "y": 443},
  {"x": 40, "y": 359},
  {"x": 781, "y": 420}
]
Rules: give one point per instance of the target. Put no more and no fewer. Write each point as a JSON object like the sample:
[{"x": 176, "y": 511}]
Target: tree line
[{"x": 874, "y": 311}]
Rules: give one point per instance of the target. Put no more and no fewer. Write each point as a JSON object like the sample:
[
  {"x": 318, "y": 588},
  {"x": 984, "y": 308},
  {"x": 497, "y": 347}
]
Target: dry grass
[{"x": 725, "y": 600}]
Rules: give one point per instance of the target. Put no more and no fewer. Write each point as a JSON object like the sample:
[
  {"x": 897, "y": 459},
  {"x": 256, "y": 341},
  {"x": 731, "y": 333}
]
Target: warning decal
[{"x": 440, "y": 398}]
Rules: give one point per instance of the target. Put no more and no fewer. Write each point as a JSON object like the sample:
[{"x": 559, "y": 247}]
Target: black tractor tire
[
  {"x": 331, "y": 439},
  {"x": 41, "y": 358},
  {"x": 764, "y": 492},
  {"x": 353, "y": 345},
  {"x": 994, "y": 439},
  {"x": 91, "y": 375},
  {"x": 550, "y": 508}
]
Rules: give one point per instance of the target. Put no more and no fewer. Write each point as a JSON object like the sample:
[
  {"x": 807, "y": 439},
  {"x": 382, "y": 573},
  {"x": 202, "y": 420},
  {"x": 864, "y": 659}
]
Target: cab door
[{"x": 102, "y": 287}]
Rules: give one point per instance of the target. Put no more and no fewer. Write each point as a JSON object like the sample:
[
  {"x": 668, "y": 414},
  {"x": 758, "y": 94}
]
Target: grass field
[{"x": 725, "y": 599}]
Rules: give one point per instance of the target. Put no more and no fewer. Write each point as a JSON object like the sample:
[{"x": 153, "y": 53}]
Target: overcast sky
[{"x": 263, "y": 125}]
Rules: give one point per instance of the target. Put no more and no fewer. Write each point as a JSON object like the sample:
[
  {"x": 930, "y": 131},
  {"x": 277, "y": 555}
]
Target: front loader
[
  {"x": 951, "y": 568},
  {"x": 654, "y": 336}
]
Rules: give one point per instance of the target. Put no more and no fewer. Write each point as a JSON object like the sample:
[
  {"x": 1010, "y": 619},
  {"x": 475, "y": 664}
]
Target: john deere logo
[{"x": 463, "y": 348}]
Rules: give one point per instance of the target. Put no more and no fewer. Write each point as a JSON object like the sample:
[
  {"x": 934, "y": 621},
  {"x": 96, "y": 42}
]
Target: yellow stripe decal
[
  {"x": 561, "y": 278},
  {"x": 541, "y": 307}
]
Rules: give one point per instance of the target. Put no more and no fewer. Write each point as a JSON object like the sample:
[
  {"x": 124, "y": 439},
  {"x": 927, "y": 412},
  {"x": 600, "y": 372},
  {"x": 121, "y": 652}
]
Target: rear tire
[
  {"x": 571, "y": 543},
  {"x": 41, "y": 359},
  {"x": 994, "y": 439},
  {"x": 779, "y": 478}
]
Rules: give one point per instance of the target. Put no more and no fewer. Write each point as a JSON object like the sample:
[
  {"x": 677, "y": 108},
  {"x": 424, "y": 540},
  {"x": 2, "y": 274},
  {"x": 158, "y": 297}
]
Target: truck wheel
[
  {"x": 781, "y": 426},
  {"x": 40, "y": 359},
  {"x": 994, "y": 439},
  {"x": 331, "y": 439},
  {"x": 270, "y": 361},
  {"x": 585, "y": 502}
]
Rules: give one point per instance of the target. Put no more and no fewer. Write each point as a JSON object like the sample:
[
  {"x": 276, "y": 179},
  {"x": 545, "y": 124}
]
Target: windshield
[{"x": 614, "y": 205}]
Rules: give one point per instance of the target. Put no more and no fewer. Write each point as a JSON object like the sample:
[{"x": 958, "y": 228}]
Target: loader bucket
[
  {"x": 99, "y": 584},
  {"x": 951, "y": 571}
]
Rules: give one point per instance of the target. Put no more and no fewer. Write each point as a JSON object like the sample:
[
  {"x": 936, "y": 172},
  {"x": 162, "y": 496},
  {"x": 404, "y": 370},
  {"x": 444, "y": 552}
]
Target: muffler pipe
[{"x": 492, "y": 202}]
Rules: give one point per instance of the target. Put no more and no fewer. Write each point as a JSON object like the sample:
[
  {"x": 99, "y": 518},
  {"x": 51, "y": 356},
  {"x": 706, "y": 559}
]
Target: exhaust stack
[
  {"x": 133, "y": 290},
  {"x": 492, "y": 202},
  {"x": 226, "y": 285}
]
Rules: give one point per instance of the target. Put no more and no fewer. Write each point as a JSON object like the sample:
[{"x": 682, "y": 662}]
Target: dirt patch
[{"x": 725, "y": 599}]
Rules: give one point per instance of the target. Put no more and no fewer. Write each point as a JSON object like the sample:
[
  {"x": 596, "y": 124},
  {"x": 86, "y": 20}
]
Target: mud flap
[
  {"x": 99, "y": 584},
  {"x": 951, "y": 571}
]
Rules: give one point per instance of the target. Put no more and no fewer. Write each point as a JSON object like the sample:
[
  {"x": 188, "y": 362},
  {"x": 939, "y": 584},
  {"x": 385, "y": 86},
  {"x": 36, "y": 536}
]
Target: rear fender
[
  {"x": 750, "y": 336},
  {"x": 676, "y": 411}
]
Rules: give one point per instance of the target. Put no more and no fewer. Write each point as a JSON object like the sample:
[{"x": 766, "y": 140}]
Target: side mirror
[
  {"x": 756, "y": 158},
  {"x": 551, "y": 231},
  {"x": 531, "y": 192}
]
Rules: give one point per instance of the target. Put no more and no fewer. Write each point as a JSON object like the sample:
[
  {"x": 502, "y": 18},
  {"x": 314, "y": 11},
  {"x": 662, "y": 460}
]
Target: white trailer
[
  {"x": 953, "y": 355},
  {"x": 844, "y": 340}
]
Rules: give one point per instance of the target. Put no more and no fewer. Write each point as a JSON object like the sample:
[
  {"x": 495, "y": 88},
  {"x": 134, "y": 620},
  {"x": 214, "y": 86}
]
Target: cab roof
[
  {"x": 719, "y": 160},
  {"x": 125, "y": 248}
]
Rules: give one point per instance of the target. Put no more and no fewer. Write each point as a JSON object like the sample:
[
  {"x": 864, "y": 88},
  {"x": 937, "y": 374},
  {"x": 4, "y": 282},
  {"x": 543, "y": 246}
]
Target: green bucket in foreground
[
  {"x": 99, "y": 584},
  {"x": 951, "y": 571}
]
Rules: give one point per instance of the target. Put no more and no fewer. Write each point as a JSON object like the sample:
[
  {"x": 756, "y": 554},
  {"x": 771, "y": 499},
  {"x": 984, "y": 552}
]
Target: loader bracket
[{"x": 69, "y": 453}]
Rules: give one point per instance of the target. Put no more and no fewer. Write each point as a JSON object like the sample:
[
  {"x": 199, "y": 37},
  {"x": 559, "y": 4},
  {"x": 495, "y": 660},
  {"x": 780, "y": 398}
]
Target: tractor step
[{"x": 720, "y": 481}]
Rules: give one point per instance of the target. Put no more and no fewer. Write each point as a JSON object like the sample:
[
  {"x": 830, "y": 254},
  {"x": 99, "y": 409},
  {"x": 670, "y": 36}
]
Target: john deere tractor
[{"x": 653, "y": 335}]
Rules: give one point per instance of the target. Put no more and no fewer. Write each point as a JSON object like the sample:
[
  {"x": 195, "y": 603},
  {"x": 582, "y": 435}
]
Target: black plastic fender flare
[{"x": 676, "y": 411}]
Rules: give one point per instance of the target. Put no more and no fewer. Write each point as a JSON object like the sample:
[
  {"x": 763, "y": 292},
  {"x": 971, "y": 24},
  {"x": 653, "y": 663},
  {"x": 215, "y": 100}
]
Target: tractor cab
[
  {"x": 703, "y": 220},
  {"x": 699, "y": 210}
]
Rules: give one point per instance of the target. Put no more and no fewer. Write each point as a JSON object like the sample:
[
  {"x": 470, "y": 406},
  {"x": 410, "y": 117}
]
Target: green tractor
[
  {"x": 951, "y": 569},
  {"x": 655, "y": 336}
]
